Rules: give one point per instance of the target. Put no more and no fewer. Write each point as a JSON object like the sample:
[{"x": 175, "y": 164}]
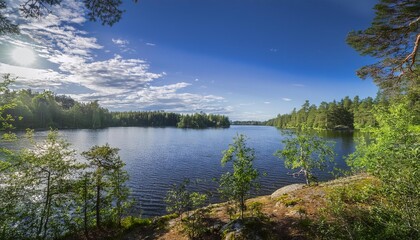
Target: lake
[{"x": 156, "y": 158}]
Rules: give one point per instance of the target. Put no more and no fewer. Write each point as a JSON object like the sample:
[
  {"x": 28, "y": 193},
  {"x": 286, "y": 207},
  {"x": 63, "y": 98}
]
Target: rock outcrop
[{"x": 287, "y": 189}]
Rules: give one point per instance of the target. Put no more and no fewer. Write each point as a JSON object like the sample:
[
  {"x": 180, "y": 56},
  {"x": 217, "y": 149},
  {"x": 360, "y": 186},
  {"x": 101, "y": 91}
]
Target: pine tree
[{"x": 393, "y": 38}]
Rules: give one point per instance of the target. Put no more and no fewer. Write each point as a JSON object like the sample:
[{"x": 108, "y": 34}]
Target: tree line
[
  {"x": 255, "y": 123},
  {"x": 46, "y": 110},
  {"x": 202, "y": 120},
  {"x": 347, "y": 113}
]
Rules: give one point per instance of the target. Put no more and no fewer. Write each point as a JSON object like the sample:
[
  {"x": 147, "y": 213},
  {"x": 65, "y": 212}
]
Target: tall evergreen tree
[
  {"x": 393, "y": 38},
  {"x": 391, "y": 153}
]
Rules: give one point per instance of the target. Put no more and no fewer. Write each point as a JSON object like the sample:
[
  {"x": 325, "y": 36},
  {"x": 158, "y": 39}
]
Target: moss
[
  {"x": 363, "y": 191},
  {"x": 282, "y": 197},
  {"x": 287, "y": 201},
  {"x": 255, "y": 208},
  {"x": 131, "y": 222}
]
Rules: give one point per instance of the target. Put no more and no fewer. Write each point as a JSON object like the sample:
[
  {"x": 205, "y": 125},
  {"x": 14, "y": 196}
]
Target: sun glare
[{"x": 23, "y": 56}]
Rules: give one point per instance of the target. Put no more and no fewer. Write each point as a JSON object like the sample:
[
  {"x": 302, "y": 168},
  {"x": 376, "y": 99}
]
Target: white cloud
[
  {"x": 150, "y": 44},
  {"x": 159, "y": 97},
  {"x": 117, "y": 82},
  {"x": 120, "y": 42},
  {"x": 267, "y": 102},
  {"x": 123, "y": 45},
  {"x": 287, "y": 99},
  {"x": 274, "y": 50},
  {"x": 32, "y": 77}
]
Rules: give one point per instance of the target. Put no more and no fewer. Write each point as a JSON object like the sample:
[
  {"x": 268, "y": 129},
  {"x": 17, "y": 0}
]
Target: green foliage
[
  {"x": 194, "y": 225},
  {"x": 289, "y": 202},
  {"x": 163, "y": 220},
  {"x": 45, "y": 110},
  {"x": 236, "y": 186},
  {"x": 37, "y": 191},
  {"x": 393, "y": 38},
  {"x": 107, "y": 12},
  {"x": 202, "y": 120},
  {"x": 178, "y": 198},
  {"x": 392, "y": 154},
  {"x": 254, "y": 123},
  {"x": 84, "y": 202},
  {"x": 357, "y": 211},
  {"x": 145, "y": 119},
  {"x": 6, "y": 121},
  {"x": 111, "y": 193},
  {"x": 231, "y": 210},
  {"x": 392, "y": 151},
  {"x": 7, "y": 104},
  {"x": 306, "y": 152},
  {"x": 255, "y": 209},
  {"x": 46, "y": 193},
  {"x": 131, "y": 222},
  {"x": 6, "y": 25},
  {"x": 346, "y": 114}
]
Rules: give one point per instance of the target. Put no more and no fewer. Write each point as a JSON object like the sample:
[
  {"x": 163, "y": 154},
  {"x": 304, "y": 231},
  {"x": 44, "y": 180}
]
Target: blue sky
[{"x": 248, "y": 59}]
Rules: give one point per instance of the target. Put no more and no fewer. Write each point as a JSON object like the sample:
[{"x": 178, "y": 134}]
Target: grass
[{"x": 287, "y": 201}]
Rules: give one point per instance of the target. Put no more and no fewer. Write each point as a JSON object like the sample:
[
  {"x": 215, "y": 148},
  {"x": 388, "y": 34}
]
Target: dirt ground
[{"x": 285, "y": 214}]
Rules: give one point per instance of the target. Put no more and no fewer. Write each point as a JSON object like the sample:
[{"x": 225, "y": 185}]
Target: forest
[
  {"x": 48, "y": 193},
  {"x": 255, "y": 123},
  {"x": 345, "y": 114},
  {"x": 47, "y": 110}
]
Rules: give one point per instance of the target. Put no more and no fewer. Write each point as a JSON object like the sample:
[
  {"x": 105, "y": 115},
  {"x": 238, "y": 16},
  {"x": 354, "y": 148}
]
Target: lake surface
[{"x": 156, "y": 158}]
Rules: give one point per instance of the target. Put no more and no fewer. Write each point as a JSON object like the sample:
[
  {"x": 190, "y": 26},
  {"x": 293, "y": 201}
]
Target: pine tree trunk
[{"x": 41, "y": 224}]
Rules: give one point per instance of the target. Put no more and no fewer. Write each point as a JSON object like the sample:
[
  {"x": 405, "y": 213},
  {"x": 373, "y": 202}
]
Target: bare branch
[
  {"x": 413, "y": 54},
  {"x": 414, "y": 21}
]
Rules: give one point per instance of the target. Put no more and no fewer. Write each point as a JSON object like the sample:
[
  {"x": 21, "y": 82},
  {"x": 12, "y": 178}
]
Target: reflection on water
[{"x": 159, "y": 157}]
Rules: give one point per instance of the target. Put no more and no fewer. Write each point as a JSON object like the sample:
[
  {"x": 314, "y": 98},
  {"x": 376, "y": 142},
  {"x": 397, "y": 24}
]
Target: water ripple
[{"x": 156, "y": 158}]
